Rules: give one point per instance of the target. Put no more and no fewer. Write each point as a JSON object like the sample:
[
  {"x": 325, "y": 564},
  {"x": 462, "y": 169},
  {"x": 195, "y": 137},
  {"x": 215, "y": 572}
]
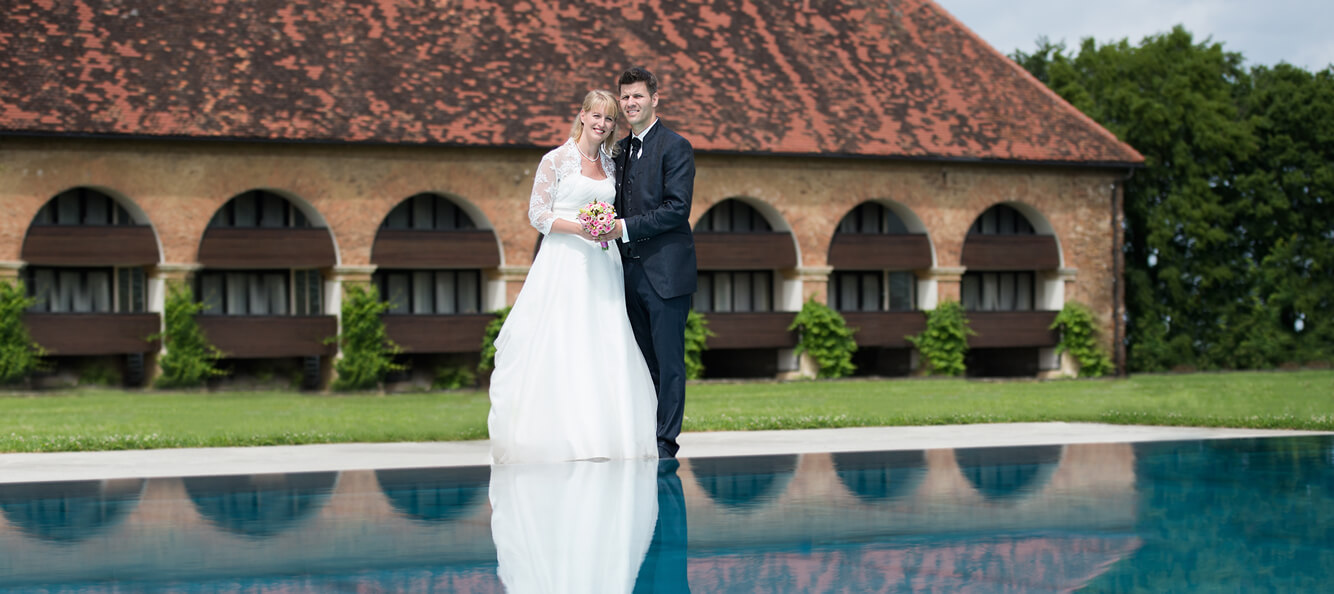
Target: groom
[{"x": 654, "y": 182}]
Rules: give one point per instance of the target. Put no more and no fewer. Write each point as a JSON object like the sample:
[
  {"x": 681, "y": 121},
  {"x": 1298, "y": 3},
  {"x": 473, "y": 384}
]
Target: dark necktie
[{"x": 635, "y": 144}]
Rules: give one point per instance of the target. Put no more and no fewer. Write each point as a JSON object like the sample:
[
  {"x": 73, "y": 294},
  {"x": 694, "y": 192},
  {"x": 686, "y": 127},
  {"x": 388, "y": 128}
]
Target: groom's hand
[{"x": 617, "y": 230}]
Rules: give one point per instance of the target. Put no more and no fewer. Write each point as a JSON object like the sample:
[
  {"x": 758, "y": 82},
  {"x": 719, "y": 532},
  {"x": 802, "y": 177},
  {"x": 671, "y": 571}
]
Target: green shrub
[
  {"x": 190, "y": 360},
  {"x": 697, "y": 338},
  {"x": 19, "y": 354},
  {"x": 367, "y": 352},
  {"x": 453, "y": 377},
  {"x": 1079, "y": 336},
  {"x": 944, "y": 343},
  {"x": 824, "y": 334},
  {"x": 488, "y": 361}
]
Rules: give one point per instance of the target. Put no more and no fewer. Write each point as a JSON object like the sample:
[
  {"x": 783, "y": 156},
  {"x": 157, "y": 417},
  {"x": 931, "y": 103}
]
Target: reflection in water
[
  {"x": 1241, "y": 515},
  {"x": 1001, "y": 474},
  {"x": 260, "y": 505},
  {"x": 881, "y": 476},
  {"x": 744, "y": 481},
  {"x": 69, "y": 511},
  {"x": 1233, "y": 515},
  {"x": 434, "y": 494},
  {"x": 664, "y": 568},
  {"x": 572, "y": 527}
]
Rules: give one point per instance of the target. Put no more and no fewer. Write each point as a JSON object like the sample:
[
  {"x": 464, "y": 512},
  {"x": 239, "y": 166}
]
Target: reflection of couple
[
  {"x": 590, "y": 527},
  {"x": 595, "y": 341}
]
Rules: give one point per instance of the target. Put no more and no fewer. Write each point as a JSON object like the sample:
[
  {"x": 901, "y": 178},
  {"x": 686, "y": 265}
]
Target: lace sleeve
[
  {"x": 542, "y": 203},
  {"x": 556, "y": 165}
]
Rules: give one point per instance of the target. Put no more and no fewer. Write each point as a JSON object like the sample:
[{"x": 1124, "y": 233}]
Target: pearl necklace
[{"x": 592, "y": 159}]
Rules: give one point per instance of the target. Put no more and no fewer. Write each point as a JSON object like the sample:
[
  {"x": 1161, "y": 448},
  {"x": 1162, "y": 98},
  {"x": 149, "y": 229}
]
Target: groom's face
[{"x": 638, "y": 105}]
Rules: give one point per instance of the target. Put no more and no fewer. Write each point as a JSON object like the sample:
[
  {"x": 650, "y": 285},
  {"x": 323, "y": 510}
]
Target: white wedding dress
[
  {"x": 573, "y": 528},
  {"x": 569, "y": 380}
]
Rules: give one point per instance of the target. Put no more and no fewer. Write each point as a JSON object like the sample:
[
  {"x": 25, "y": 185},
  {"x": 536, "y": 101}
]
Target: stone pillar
[
  {"x": 814, "y": 282},
  {"x": 936, "y": 285},
  {"x": 333, "y": 287},
  {"x": 158, "y": 278},
  {"x": 510, "y": 280},
  {"x": 9, "y": 269},
  {"x": 1053, "y": 287}
]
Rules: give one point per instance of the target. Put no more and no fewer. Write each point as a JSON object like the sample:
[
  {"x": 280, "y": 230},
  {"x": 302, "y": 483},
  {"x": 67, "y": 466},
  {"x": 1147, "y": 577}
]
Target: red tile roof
[{"x": 883, "y": 78}]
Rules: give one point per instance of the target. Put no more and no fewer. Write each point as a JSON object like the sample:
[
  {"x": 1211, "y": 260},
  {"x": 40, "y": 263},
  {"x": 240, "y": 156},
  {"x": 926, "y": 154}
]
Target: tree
[
  {"x": 1288, "y": 186},
  {"x": 1193, "y": 259}
]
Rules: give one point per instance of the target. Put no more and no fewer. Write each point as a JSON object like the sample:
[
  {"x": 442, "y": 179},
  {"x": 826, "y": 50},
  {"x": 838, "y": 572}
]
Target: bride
[{"x": 570, "y": 382}]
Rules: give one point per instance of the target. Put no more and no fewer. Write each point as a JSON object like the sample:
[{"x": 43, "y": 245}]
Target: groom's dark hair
[{"x": 638, "y": 74}]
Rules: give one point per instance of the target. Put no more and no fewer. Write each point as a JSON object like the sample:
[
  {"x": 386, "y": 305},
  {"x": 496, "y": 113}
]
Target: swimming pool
[{"x": 1211, "y": 515}]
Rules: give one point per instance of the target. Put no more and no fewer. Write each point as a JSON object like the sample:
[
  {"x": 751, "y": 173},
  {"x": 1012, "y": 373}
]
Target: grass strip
[{"x": 85, "y": 420}]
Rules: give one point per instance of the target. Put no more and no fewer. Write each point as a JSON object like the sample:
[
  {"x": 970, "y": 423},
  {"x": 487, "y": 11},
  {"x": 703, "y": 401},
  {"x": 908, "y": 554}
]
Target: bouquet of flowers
[{"x": 597, "y": 218}]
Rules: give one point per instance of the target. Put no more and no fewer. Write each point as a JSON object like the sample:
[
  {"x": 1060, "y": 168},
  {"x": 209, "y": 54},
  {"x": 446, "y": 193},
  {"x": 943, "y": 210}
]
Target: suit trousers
[{"x": 659, "y": 325}]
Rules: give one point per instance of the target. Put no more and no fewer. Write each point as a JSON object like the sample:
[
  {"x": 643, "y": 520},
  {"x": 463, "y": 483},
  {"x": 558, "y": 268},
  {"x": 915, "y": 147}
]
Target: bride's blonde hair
[{"x": 605, "y": 102}]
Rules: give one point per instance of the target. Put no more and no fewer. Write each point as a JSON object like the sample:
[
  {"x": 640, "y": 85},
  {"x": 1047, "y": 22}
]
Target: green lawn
[{"x": 105, "y": 419}]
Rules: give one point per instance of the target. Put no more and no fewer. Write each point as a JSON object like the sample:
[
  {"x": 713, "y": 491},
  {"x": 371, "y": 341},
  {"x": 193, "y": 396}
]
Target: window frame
[{"x": 411, "y": 276}]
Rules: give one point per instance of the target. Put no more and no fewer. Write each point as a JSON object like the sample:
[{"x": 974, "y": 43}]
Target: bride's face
[{"x": 597, "y": 123}]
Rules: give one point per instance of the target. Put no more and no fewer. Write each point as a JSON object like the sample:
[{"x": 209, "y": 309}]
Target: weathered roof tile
[{"x": 855, "y": 77}]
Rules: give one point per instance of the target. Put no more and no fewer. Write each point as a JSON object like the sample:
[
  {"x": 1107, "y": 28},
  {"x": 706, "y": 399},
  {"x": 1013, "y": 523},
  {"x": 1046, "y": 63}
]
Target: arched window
[
  {"x": 872, "y": 218},
  {"x": 732, "y": 216},
  {"x": 269, "y": 288},
  {"x": 100, "y": 282},
  {"x": 428, "y": 212},
  {"x": 440, "y": 283},
  {"x": 1000, "y": 290},
  {"x": 860, "y": 284},
  {"x": 259, "y": 208},
  {"x": 83, "y": 206},
  {"x": 1002, "y": 220},
  {"x": 733, "y": 290}
]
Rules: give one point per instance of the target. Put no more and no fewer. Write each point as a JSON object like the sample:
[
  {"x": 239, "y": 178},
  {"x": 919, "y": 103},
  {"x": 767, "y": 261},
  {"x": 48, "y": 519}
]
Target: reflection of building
[
  {"x": 876, "y": 156},
  {"x": 748, "y": 517}
]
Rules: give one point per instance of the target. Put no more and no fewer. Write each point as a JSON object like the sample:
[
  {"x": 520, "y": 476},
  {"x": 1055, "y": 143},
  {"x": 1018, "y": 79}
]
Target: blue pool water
[{"x": 1211, "y": 516}]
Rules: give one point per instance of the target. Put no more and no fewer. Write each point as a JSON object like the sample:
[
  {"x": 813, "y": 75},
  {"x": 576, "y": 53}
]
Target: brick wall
[{"x": 180, "y": 184}]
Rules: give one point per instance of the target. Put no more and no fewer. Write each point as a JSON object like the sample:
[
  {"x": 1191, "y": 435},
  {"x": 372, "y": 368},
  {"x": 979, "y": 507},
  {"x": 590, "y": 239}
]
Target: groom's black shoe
[{"x": 663, "y": 454}]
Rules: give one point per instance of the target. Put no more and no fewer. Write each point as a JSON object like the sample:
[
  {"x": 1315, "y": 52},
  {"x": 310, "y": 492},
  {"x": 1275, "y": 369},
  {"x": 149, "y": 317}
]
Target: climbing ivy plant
[
  {"x": 488, "y": 361},
  {"x": 367, "y": 352},
  {"x": 1079, "y": 337},
  {"x": 190, "y": 360},
  {"x": 824, "y": 334},
  {"x": 944, "y": 343},
  {"x": 697, "y": 338},
  {"x": 19, "y": 354}
]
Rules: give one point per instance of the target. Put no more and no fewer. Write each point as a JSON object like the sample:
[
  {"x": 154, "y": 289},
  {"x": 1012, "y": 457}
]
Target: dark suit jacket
[{"x": 653, "y": 196}]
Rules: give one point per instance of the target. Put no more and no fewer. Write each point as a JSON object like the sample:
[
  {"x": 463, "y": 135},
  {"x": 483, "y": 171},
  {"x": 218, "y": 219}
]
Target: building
[{"x": 874, "y": 155}]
